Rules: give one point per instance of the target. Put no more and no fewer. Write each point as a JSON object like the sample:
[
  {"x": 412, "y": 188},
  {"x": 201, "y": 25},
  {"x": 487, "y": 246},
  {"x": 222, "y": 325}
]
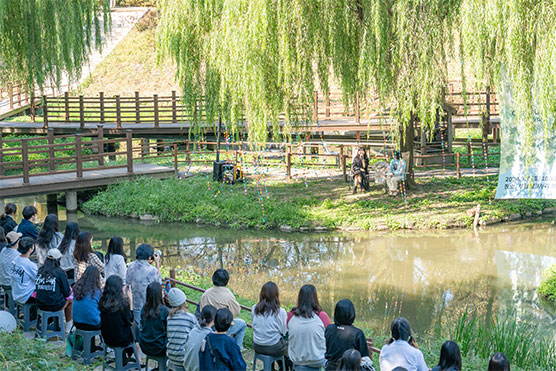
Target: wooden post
[
  {"x": 187, "y": 153},
  {"x": 288, "y": 161},
  {"x": 155, "y": 97},
  {"x": 25, "y": 160},
  {"x": 469, "y": 153},
  {"x": 145, "y": 150},
  {"x": 343, "y": 162},
  {"x": 118, "y": 113},
  {"x": 78, "y": 156},
  {"x": 129, "y": 145},
  {"x": 51, "y": 163},
  {"x": 137, "y": 108},
  {"x": 100, "y": 137},
  {"x": 19, "y": 95},
  {"x": 357, "y": 111},
  {"x": 327, "y": 103},
  {"x": 176, "y": 158},
  {"x": 458, "y": 171},
  {"x": 101, "y": 103},
  {"x": 32, "y": 106},
  {"x": 174, "y": 107},
  {"x": 81, "y": 112},
  {"x": 1, "y": 156},
  {"x": 45, "y": 112},
  {"x": 173, "y": 277},
  {"x": 11, "y": 95},
  {"x": 358, "y": 135},
  {"x": 316, "y": 106},
  {"x": 66, "y": 106}
]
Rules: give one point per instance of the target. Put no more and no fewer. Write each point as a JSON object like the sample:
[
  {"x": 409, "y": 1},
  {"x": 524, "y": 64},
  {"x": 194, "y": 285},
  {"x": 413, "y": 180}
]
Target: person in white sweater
[
  {"x": 401, "y": 349},
  {"x": 115, "y": 259},
  {"x": 67, "y": 246},
  {"x": 269, "y": 323}
]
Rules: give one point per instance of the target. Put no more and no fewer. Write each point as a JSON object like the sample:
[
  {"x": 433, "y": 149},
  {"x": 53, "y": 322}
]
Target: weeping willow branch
[{"x": 41, "y": 40}]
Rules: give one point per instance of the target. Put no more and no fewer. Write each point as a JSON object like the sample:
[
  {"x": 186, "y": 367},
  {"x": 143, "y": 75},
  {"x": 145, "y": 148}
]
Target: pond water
[{"x": 419, "y": 275}]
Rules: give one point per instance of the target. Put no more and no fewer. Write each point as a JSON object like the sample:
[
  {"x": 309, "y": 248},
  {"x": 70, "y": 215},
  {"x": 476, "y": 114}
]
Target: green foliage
[
  {"x": 548, "y": 284},
  {"x": 521, "y": 343},
  {"x": 40, "y": 40}
]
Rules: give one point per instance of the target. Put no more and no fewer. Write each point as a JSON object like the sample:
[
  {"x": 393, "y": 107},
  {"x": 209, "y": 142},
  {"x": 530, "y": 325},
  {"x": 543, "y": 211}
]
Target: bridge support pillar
[
  {"x": 52, "y": 203},
  {"x": 71, "y": 201}
]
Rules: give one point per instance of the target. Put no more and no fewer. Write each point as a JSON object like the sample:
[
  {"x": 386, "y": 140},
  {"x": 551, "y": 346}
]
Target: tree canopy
[
  {"x": 41, "y": 40},
  {"x": 265, "y": 57}
]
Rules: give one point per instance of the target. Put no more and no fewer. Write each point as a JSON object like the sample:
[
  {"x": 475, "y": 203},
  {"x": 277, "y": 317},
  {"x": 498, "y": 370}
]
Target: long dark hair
[
  {"x": 88, "y": 284},
  {"x": 72, "y": 230},
  {"x": 307, "y": 302},
  {"x": 2, "y": 235},
  {"x": 49, "y": 228},
  {"x": 269, "y": 300},
  {"x": 115, "y": 247},
  {"x": 401, "y": 330},
  {"x": 350, "y": 361},
  {"x": 113, "y": 299},
  {"x": 154, "y": 300},
  {"x": 49, "y": 268},
  {"x": 9, "y": 209},
  {"x": 207, "y": 315},
  {"x": 83, "y": 247},
  {"x": 450, "y": 356}
]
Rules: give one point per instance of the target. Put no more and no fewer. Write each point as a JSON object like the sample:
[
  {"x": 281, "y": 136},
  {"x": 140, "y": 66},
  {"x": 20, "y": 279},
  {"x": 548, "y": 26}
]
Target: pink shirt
[{"x": 322, "y": 315}]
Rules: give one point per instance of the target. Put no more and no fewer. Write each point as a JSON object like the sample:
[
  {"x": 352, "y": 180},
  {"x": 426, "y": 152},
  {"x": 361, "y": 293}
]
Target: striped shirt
[{"x": 179, "y": 327}]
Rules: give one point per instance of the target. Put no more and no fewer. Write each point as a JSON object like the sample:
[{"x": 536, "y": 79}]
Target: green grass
[
  {"x": 437, "y": 203},
  {"x": 548, "y": 284}
]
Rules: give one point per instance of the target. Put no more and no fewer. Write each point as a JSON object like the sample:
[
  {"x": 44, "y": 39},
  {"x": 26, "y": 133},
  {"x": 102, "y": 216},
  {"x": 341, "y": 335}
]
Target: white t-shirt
[
  {"x": 401, "y": 354},
  {"x": 24, "y": 274},
  {"x": 116, "y": 265}
]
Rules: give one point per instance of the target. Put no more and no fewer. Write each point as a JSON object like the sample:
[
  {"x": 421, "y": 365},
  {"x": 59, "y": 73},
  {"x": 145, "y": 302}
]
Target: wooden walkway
[{"x": 54, "y": 183}]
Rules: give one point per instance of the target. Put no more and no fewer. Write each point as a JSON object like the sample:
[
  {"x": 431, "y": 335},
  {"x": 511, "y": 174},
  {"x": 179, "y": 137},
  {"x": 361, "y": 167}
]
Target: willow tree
[{"x": 41, "y": 40}]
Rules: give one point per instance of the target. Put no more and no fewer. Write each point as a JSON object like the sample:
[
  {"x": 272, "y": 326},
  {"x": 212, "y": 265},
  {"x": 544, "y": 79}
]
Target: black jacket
[
  {"x": 52, "y": 291},
  {"x": 8, "y": 224},
  {"x": 341, "y": 338},
  {"x": 28, "y": 229}
]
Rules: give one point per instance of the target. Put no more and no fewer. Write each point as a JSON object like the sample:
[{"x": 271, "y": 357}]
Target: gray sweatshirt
[
  {"x": 192, "y": 347},
  {"x": 307, "y": 345}
]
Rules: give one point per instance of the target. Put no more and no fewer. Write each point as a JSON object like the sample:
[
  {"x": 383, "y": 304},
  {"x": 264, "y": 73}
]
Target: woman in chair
[{"x": 360, "y": 170}]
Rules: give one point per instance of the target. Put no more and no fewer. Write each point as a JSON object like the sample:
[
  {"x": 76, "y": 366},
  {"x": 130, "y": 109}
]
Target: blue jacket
[
  {"x": 27, "y": 229},
  {"x": 225, "y": 354},
  {"x": 86, "y": 311}
]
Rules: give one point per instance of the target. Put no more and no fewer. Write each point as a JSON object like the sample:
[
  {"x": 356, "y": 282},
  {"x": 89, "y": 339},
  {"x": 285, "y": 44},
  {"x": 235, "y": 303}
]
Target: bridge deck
[{"x": 69, "y": 181}]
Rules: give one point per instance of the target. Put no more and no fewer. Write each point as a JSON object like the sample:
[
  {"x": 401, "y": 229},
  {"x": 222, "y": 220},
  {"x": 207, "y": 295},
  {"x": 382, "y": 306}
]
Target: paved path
[{"x": 123, "y": 20}]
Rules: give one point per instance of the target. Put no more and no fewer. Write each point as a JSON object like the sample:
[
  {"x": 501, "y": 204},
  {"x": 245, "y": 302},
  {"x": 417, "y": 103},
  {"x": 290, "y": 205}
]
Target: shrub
[{"x": 548, "y": 284}]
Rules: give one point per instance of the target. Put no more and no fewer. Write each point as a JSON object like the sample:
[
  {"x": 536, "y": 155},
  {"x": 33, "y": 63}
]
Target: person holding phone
[{"x": 140, "y": 274}]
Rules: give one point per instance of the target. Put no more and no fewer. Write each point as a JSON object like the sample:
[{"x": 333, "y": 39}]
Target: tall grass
[{"x": 522, "y": 343}]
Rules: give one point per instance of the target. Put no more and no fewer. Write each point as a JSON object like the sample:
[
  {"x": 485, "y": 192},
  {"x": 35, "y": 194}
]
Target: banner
[{"x": 515, "y": 180}]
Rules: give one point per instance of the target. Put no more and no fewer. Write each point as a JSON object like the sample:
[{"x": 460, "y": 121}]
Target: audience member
[
  {"x": 49, "y": 237},
  {"x": 67, "y": 247},
  {"x": 342, "y": 335},
  {"x": 499, "y": 362},
  {"x": 24, "y": 272},
  {"x": 154, "y": 321},
  {"x": 307, "y": 345},
  {"x": 3, "y": 240},
  {"x": 196, "y": 338},
  {"x": 219, "y": 351},
  {"x": 350, "y": 361},
  {"x": 141, "y": 274},
  {"x": 86, "y": 296},
  {"x": 116, "y": 317},
  {"x": 219, "y": 296},
  {"x": 84, "y": 256},
  {"x": 53, "y": 289},
  {"x": 115, "y": 258},
  {"x": 401, "y": 349},
  {"x": 269, "y": 323},
  {"x": 7, "y": 257},
  {"x": 27, "y": 225},
  {"x": 180, "y": 324},
  {"x": 450, "y": 357},
  {"x": 7, "y": 221}
]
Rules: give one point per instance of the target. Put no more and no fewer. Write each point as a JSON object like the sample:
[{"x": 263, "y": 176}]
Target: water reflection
[{"x": 420, "y": 276}]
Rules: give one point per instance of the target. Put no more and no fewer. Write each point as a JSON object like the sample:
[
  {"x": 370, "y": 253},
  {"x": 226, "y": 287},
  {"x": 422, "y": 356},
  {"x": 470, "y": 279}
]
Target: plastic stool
[
  {"x": 119, "y": 359},
  {"x": 267, "y": 361},
  {"x": 162, "y": 362},
  {"x": 8, "y": 302},
  {"x": 86, "y": 354},
  {"x": 25, "y": 310},
  {"x": 42, "y": 330}
]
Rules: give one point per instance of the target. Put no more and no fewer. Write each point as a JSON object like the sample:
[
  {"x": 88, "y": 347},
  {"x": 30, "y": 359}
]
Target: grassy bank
[
  {"x": 548, "y": 284},
  {"x": 437, "y": 203}
]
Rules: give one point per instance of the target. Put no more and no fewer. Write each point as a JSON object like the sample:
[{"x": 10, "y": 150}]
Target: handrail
[{"x": 174, "y": 282}]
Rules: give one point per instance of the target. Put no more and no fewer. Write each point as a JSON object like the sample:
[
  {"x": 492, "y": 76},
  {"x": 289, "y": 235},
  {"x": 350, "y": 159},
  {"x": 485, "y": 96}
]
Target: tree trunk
[{"x": 407, "y": 144}]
